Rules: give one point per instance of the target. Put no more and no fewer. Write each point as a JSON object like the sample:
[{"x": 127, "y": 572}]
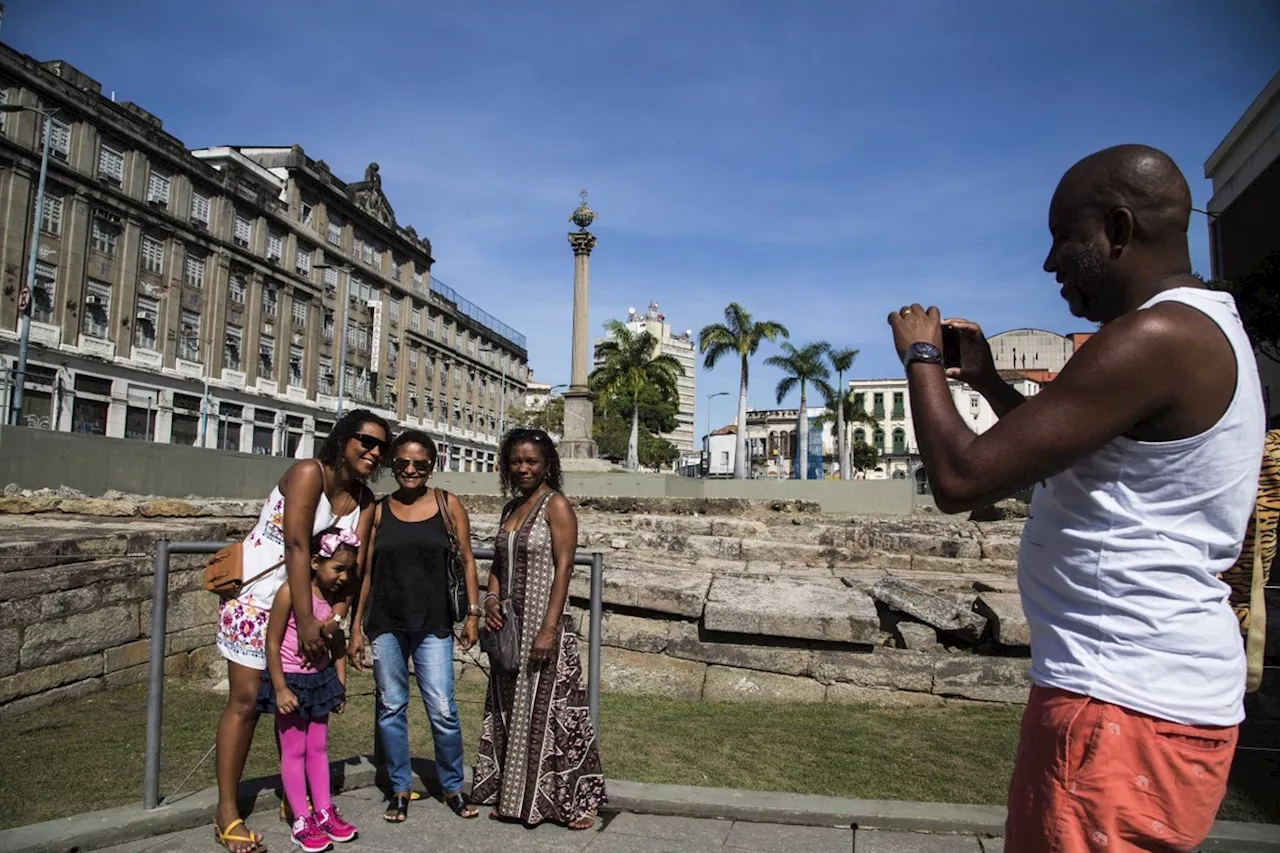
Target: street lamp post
[
  {"x": 711, "y": 397},
  {"x": 28, "y": 294},
  {"x": 341, "y": 331}
]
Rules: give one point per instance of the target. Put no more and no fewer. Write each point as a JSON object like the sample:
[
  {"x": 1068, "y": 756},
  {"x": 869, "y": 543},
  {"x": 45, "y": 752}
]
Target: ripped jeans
[{"x": 433, "y": 669}]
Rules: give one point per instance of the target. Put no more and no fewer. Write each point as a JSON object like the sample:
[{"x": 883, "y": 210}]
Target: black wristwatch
[{"x": 920, "y": 351}]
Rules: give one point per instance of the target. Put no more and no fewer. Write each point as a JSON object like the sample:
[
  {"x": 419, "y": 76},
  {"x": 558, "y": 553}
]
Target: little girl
[{"x": 301, "y": 693}]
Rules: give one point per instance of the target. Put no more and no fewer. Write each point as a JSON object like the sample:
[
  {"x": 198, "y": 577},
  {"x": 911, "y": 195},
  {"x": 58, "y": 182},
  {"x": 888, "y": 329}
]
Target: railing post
[
  {"x": 593, "y": 663},
  {"x": 155, "y": 676}
]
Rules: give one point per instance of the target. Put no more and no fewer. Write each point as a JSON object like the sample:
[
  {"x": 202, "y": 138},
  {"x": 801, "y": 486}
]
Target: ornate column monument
[{"x": 578, "y": 400}]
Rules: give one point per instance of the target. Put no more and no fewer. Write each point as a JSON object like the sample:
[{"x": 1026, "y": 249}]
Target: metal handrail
[{"x": 156, "y": 646}]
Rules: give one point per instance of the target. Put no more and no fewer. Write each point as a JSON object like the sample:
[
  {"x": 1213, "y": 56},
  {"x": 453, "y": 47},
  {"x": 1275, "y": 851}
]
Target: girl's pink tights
[{"x": 304, "y": 761}]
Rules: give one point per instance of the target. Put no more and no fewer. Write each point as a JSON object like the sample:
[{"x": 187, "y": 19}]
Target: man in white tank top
[{"x": 1144, "y": 453}]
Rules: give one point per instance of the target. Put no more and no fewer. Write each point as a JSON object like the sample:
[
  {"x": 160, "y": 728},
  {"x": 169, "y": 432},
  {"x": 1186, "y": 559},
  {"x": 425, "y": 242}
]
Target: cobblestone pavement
[{"x": 432, "y": 828}]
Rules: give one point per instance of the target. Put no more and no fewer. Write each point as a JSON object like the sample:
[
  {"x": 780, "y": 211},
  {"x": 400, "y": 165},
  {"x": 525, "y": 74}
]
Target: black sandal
[
  {"x": 460, "y": 806},
  {"x": 398, "y": 811}
]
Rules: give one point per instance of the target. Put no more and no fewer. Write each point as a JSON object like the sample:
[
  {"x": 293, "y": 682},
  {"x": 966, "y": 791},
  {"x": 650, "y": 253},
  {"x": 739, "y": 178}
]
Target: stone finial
[{"x": 582, "y": 215}]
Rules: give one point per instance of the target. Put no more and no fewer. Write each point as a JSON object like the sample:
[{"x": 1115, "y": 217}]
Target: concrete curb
[{"x": 123, "y": 824}]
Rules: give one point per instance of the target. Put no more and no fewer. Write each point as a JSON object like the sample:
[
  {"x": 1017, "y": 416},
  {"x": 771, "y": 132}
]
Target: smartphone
[{"x": 950, "y": 347}]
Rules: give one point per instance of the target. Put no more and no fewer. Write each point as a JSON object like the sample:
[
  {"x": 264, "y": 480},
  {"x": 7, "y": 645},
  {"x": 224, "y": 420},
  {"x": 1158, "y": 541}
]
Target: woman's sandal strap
[
  {"x": 398, "y": 810},
  {"x": 458, "y": 803}
]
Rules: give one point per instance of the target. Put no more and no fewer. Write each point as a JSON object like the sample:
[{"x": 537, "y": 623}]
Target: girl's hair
[
  {"x": 415, "y": 436},
  {"x": 538, "y": 438},
  {"x": 348, "y": 425},
  {"x": 331, "y": 539}
]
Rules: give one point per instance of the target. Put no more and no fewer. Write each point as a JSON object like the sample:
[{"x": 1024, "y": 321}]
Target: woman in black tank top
[{"x": 403, "y": 612}]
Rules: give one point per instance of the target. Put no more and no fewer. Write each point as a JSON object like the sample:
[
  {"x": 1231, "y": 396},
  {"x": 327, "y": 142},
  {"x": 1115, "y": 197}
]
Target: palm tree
[
  {"x": 842, "y": 360},
  {"x": 740, "y": 335},
  {"x": 842, "y": 412},
  {"x": 803, "y": 367},
  {"x": 629, "y": 363}
]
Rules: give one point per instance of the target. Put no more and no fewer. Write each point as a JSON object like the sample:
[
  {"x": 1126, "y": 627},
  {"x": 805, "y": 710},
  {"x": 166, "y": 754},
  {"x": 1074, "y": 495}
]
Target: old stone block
[
  {"x": 167, "y": 508},
  {"x": 880, "y": 697},
  {"x": 121, "y": 677},
  {"x": 98, "y": 507},
  {"x": 677, "y": 593},
  {"x": 66, "y": 601},
  {"x": 123, "y": 657},
  {"x": 48, "y": 697},
  {"x": 29, "y": 583},
  {"x": 1004, "y": 611},
  {"x": 632, "y": 632},
  {"x": 642, "y": 674},
  {"x": 783, "y": 552},
  {"x": 988, "y": 679},
  {"x": 915, "y": 636},
  {"x": 727, "y": 684},
  {"x": 26, "y": 506},
  {"x": 688, "y": 525},
  {"x": 942, "y": 613},
  {"x": 1000, "y": 548},
  {"x": 901, "y": 670},
  {"x": 31, "y": 681},
  {"x": 72, "y": 636},
  {"x": 738, "y": 527},
  {"x": 685, "y": 643},
  {"x": 786, "y": 608},
  {"x": 714, "y": 546},
  {"x": 188, "y": 610},
  {"x": 10, "y": 644}
]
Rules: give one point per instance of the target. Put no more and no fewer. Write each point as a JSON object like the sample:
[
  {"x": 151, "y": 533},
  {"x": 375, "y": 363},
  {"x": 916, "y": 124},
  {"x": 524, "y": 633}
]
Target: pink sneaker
[
  {"x": 331, "y": 823},
  {"x": 310, "y": 837}
]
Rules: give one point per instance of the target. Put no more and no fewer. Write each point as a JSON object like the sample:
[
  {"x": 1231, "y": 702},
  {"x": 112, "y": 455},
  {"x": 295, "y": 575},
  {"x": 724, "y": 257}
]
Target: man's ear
[{"x": 1119, "y": 226}]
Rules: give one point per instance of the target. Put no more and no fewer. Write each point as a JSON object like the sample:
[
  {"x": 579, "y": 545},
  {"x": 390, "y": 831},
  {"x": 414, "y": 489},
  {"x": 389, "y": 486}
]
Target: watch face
[{"x": 922, "y": 351}]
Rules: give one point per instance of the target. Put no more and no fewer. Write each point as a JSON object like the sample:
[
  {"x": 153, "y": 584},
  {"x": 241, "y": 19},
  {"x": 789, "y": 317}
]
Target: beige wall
[{"x": 35, "y": 459}]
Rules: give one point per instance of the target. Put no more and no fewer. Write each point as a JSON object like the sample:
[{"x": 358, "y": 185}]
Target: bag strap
[
  {"x": 262, "y": 574},
  {"x": 442, "y": 500},
  {"x": 1257, "y": 635}
]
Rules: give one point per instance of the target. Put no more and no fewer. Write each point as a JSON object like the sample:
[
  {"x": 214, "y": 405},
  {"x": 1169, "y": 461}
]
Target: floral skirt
[{"x": 242, "y": 633}]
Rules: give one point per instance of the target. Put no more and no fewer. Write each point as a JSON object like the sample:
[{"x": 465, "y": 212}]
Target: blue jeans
[{"x": 433, "y": 668}]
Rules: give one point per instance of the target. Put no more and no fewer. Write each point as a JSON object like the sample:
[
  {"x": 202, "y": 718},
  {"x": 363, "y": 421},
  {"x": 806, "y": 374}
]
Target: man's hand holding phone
[{"x": 966, "y": 355}]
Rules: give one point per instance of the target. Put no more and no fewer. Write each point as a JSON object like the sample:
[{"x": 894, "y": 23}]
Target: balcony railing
[{"x": 469, "y": 309}]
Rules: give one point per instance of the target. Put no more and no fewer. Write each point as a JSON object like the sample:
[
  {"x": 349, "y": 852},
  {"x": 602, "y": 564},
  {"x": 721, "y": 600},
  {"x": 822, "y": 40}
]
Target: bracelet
[
  {"x": 492, "y": 595},
  {"x": 474, "y": 609}
]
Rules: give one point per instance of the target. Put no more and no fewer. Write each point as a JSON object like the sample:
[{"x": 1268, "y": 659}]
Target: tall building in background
[
  {"x": 681, "y": 347},
  {"x": 198, "y": 297}
]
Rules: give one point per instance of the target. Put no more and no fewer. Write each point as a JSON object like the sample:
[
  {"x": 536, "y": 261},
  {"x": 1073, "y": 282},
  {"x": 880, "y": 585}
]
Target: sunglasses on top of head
[
  {"x": 371, "y": 442},
  {"x": 420, "y": 466}
]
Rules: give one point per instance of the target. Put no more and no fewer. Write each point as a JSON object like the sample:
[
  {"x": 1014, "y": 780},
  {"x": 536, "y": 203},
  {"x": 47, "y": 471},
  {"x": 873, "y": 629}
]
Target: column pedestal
[{"x": 578, "y": 417}]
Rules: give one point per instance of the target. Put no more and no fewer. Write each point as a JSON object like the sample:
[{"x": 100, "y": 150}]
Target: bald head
[
  {"x": 1119, "y": 225},
  {"x": 1139, "y": 178}
]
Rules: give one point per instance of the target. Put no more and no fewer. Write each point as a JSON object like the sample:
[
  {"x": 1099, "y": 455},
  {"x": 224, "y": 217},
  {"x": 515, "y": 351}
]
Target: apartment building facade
[{"x": 204, "y": 297}]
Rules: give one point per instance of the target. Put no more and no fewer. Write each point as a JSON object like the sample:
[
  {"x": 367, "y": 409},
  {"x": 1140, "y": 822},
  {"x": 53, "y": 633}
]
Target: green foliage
[
  {"x": 865, "y": 457},
  {"x": 612, "y": 432},
  {"x": 632, "y": 368},
  {"x": 657, "y": 412},
  {"x": 550, "y": 418},
  {"x": 802, "y": 367},
  {"x": 1257, "y": 296},
  {"x": 739, "y": 334}
]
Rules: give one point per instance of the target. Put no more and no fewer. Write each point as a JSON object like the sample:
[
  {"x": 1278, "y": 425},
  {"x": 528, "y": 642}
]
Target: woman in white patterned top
[{"x": 314, "y": 494}]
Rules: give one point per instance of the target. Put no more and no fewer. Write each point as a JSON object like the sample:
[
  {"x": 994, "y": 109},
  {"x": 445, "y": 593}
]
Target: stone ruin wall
[{"x": 713, "y": 600}]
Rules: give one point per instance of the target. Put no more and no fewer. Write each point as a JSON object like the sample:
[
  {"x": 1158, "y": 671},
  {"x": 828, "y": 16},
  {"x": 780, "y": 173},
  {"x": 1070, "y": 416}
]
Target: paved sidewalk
[{"x": 432, "y": 828}]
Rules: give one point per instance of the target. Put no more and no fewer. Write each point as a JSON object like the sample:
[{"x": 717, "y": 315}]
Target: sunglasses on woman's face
[
  {"x": 370, "y": 442},
  {"x": 420, "y": 466}
]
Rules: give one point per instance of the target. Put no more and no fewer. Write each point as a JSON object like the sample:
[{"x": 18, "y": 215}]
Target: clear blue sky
[{"x": 820, "y": 162}]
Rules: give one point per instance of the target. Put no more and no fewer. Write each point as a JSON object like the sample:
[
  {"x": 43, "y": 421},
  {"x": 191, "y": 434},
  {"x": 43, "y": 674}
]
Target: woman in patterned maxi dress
[{"x": 538, "y": 755}]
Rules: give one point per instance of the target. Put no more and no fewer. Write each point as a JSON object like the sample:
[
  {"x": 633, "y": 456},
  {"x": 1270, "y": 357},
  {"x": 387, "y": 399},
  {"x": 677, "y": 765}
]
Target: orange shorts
[{"x": 1093, "y": 777}]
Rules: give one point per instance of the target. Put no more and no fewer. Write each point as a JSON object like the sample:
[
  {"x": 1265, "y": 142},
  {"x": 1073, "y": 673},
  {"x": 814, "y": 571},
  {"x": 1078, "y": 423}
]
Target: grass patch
[{"x": 87, "y": 754}]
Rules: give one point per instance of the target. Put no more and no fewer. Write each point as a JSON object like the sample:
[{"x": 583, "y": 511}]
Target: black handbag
[
  {"x": 503, "y": 645},
  {"x": 458, "y": 601}
]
